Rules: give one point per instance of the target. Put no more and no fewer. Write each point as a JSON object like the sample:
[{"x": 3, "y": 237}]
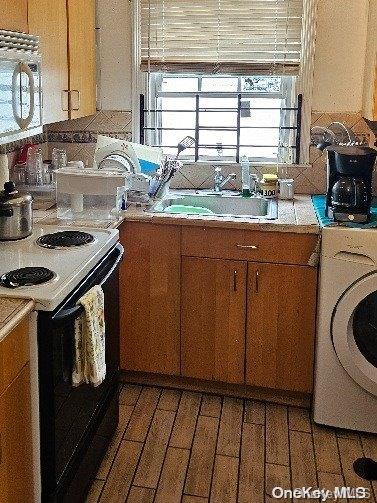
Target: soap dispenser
[{"x": 245, "y": 172}]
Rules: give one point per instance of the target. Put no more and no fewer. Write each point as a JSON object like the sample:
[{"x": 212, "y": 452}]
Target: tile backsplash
[{"x": 78, "y": 137}]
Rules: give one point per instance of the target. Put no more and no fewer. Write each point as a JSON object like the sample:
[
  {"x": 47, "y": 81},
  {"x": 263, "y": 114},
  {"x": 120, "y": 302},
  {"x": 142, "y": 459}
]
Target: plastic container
[
  {"x": 268, "y": 185},
  {"x": 245, "y": 174},
  {"x": 90, "y": 194}
]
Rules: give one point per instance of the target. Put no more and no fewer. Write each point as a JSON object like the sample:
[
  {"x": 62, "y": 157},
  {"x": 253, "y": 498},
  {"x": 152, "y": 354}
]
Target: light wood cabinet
[
  {"x": 14, "y": 15},
  {"x": 16, "y": 475},
  {"x": 370, "y": 72},
  {"x": 195, "y": 304},
  {"x": 52, "y": 28},
  {"x": 150, "y": 298},
  {"x": 16, "y": 448},
  {"x": 82, "y": 56},
  {"x": 67, "y": 33},
  {"x": 14, "y": 353},
  {"x": 240, "y": 244},
  {"x": 213, "y": 319},
  {"x": 281, "y": 309}
]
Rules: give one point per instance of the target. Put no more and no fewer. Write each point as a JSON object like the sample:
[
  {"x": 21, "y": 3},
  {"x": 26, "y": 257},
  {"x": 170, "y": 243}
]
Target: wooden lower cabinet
[
  {"x": 215, "y": 318},
  {"x": 280, "y": 332},
  {"x": 150, "y": 298},
  {"x": 16, "y": 472},
  {"x": 213, "y": 299}
]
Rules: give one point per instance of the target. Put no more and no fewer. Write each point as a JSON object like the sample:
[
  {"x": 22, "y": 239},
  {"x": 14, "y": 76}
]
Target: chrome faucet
[{"x": 220, "y": 180}]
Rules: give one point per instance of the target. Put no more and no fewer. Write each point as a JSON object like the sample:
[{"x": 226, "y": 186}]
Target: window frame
[
  {"x": 304, "y": 83},
  {"x": 287, "y": 92}
]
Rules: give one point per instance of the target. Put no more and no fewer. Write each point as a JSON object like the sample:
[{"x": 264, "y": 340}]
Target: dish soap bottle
[{"x": 245, "y": 173}]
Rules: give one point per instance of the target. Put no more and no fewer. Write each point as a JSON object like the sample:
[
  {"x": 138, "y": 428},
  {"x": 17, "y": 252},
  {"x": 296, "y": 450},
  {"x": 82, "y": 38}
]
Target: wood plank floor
[{"x": 177, "y": 446}]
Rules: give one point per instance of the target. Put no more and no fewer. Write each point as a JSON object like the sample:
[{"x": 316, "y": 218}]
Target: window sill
[{"x": 256, "y": 164}]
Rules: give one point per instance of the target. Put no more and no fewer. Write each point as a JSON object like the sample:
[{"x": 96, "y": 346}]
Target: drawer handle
[
  {"x": 257, "y": 281},
  {"x": 234, "y": 280},
  {"x": 248, "y": 247}
]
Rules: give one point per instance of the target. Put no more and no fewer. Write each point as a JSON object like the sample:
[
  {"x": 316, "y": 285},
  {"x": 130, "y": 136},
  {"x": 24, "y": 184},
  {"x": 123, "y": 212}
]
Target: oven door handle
[
  {"x": 74, "y": 312},
  {"x": 66, "y": 314},
  {"x": 119, "y": 250}
]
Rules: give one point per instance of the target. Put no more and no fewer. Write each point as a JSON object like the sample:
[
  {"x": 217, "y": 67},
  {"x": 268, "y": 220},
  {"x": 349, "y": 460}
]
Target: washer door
[{"x": 354, "y": 332}]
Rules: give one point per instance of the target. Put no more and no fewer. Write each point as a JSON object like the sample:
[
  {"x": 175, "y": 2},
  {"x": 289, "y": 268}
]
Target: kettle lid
[{"x": 11, "y": 197}]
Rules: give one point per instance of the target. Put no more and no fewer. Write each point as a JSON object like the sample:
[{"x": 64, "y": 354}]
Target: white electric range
[
  {"x": 65, "y": 263},
  {"x": 68, "y": 265}
]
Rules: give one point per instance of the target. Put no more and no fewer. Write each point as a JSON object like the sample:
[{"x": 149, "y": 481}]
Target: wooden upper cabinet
[
  {"x": 150, "y": 298},
  {"x": 213, "y": 319},
  {"x": 281, "y": 307},
  {"x": 370, "y": 71},
  {"x": 82, "y": 57},
  {"x": 14, "y": 15},
  {"x": 49, "y": 20},
  {"x": 375, "y": 94}
]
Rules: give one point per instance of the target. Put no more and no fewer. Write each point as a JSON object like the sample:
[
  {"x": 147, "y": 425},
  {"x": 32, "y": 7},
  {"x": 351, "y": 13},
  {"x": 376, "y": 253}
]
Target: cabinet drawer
[
  {"x": 14, "y": 353},
  {"x": 259, "y": 246}
]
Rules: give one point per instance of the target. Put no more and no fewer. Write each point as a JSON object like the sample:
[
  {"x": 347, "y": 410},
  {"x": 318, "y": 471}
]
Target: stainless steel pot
[{"x": 16, "y": 213}]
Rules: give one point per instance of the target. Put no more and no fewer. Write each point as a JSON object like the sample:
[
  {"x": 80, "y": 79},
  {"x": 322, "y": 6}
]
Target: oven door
[
  {"x": 70, "y": 416},
  {"x": 354, "y": 332}
]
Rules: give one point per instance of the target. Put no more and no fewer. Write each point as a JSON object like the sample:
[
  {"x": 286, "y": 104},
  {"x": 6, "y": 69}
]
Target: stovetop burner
[
  {"x": 65, "y": 239},
  {"x": 26, "y": 276}
]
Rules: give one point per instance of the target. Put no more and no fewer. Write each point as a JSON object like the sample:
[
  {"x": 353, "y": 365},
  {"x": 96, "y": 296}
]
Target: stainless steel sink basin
[{"x": 205, "y": 203}]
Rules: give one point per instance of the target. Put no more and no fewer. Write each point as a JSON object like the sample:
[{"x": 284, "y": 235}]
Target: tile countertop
[
  {"x": 293, "y": 216},
  {"x": 12, "y": 311}
]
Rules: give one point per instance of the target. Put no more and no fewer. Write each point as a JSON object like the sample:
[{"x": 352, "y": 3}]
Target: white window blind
[{"x": 221, "y": 36}]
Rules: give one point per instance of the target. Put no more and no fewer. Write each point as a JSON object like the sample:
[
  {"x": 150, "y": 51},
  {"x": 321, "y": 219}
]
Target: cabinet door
[
  {"x": 16, "y": 472},
  {"x": 14, "y": 15},
  {"x": 82, "y": 55},
  {"x": 281, "y": 306},
  {"x": 150, "y": 298},
  {"x": 213, "y": 319},
  {"x": 49, "y": 20},
  {"x": 375, "y": 94}
]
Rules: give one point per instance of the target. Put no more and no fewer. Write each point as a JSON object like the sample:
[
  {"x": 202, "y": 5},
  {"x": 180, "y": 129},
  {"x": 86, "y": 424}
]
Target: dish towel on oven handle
[{"x": 90, "y": 358}]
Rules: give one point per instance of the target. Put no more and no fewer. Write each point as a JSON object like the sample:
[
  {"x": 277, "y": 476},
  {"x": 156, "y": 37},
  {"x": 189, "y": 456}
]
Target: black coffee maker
[{"x": 349, "y": 182}]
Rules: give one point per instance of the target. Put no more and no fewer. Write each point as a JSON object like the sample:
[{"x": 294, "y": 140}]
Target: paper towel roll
[{"x": 4, "y": 170}]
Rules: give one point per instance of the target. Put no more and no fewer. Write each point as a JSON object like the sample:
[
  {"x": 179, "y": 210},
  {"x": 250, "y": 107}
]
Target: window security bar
[{"x": 237, "y": 129}]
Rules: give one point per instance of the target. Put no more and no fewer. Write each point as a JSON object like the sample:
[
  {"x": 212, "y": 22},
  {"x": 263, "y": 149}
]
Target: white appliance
[
  {"x": 345, "y": 391},
  {"x": 20, "y": 86},
  {"x": 69, "y": 265},
  {"x": 93, "y": 260}
]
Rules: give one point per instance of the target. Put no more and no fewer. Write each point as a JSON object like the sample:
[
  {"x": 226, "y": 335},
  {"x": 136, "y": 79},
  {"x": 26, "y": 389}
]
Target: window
[
  {"x": 227, "y": 73},
  {"x": 229, "y": 116}
]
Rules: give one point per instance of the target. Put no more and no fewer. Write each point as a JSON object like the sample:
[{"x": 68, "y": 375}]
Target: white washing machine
[{"x": 345, "y": 391}]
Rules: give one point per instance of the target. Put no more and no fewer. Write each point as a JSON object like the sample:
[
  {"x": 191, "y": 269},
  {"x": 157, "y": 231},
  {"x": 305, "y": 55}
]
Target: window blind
[{"x": 221, "y": 36}]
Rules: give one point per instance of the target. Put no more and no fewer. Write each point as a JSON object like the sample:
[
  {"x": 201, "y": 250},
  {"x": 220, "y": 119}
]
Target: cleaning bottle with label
[{"x": 245, "y": 173}]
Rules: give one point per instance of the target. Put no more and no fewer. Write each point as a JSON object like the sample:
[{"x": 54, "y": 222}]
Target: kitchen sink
[{"x": 223, "y": 204}]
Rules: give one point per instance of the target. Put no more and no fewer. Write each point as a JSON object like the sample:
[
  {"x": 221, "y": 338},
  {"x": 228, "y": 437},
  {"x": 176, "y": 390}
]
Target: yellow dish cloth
[{"x": 90, "y": 354}]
